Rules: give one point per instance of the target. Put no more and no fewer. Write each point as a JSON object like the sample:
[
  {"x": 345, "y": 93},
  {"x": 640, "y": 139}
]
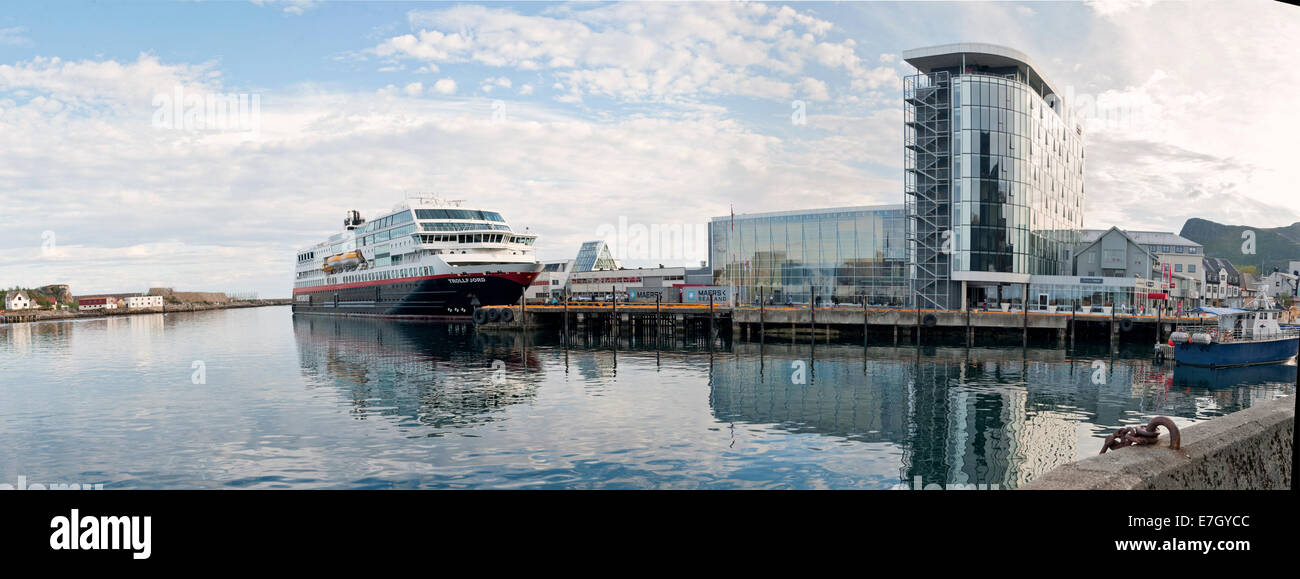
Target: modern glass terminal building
[
  {"x": 993, "y": 181},
  {"x": 842, "y": 255}
]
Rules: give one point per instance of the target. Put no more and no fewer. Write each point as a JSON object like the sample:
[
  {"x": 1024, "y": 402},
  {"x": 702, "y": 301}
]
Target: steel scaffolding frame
[{"x": 927, "y": 161}]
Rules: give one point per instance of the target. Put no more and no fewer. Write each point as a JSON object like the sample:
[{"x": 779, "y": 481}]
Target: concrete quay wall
[{"x": 1248, "y": 449}]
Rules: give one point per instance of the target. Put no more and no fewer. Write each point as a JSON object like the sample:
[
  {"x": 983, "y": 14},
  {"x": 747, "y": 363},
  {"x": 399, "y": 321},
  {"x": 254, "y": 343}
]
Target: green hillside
[{"x": 1273, "y": 247}]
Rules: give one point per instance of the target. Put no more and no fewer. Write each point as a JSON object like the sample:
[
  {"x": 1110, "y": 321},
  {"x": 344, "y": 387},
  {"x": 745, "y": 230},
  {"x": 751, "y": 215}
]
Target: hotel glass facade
[
  {"x": 993, "y": 173},
  {"x": 1018, "y": 192},
  {"x": 844, "y": 255}
]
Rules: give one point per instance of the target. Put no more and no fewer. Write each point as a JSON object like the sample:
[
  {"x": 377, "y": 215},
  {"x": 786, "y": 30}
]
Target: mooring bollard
[{"x": 1137, "y": 435}]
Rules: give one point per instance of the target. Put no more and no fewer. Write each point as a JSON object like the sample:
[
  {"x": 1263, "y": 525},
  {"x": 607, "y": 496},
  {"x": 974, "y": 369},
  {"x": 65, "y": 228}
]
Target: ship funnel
[{"x": 353, "y": 220}]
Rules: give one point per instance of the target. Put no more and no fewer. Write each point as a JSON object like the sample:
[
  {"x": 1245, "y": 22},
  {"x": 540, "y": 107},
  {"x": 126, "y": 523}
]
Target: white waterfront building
[
  {"x": 17, "y": 300},
  {"x": 133, "y": 302}
]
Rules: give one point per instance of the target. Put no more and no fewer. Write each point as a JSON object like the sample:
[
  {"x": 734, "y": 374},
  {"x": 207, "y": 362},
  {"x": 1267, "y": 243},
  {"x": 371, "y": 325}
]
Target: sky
[{"x": 575, "y": 119}]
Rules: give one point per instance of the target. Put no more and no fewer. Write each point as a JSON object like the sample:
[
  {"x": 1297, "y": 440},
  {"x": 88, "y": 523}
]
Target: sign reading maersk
[
  {"x": 720, "y": 294},
  {"x": 647, "y": 293}
]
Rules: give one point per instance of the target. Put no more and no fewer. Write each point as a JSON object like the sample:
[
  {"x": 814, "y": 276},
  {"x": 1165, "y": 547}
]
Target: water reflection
[
  {"x": 439, "y": 375},
  {"x": 941, "y": 414},
  {"x": 320, "y": 402},
  {"x": 973, "y": 415}
]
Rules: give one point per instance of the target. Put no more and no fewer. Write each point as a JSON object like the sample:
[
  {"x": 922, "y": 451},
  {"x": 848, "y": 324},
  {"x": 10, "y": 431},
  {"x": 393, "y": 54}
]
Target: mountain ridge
[{"x": 1273, "y": 246}]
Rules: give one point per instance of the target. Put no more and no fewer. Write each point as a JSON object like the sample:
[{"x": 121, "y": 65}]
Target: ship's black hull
[{"x": 438, "y": 297}]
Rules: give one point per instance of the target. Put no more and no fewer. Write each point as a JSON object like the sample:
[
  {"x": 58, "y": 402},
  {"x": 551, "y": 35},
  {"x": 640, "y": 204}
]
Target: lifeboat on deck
[{"x": 342, "y": 261}]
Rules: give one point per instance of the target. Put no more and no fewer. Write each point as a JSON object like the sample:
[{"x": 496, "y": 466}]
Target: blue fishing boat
[{"x": 1239, "y": 338}]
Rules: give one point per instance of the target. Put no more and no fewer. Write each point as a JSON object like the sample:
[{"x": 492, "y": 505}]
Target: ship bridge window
[{"x": 459, "y": 214}]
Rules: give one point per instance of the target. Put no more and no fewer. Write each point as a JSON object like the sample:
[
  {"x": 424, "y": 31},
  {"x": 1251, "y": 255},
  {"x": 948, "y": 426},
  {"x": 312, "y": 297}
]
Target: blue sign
[{"x": 1091, "y": 280}]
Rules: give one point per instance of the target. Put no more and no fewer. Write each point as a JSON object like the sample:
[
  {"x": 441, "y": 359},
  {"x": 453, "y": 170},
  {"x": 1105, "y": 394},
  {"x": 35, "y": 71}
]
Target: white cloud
[
  {"x": 494, "y": 82},
  {"x": 87, "y": 85},
  {"x": 14, "y": 36},
  {"x": 444, "y": 86},
  {"x": 1117, "y": 7},
  {"x": 813, "y": 89},
  {"x": 643, "y": 51},
  {"x": 290, "y": 6}
]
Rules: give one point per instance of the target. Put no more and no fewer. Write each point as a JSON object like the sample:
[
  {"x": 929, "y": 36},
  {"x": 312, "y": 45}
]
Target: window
[
  {"x": 1178, "y": 249},
  {"x": 1166, "y": 249},
  {"x": 1191, "y": 268},
  {"x": 459, "y": 214},
  {"x": 1178, "y": 267},
  {"x": 1192, "y": 250}
]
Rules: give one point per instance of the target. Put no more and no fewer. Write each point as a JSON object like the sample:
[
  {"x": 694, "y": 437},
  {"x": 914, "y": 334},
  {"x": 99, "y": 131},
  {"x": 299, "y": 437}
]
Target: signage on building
[
  {"x": 720, "y": 294},
  {"x": 648, "y": 293},
  {"x": 1092, "y": 280}
]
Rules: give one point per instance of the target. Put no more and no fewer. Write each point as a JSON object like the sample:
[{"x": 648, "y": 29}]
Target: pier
[{"x": 892, "y": 325}]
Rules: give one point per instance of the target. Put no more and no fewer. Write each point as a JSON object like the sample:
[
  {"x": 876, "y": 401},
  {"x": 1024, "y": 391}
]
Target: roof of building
[
  {"x": 1214, "y": 264},
  {"x": 1093, "y": 239},
  {"x": 1140, "y": 237},
  {"x": 1161, "y": 238},
  {"x": 895, "y": 207},
  {"x": 929, "y": 58},
  {"x": 644, "y": 271},
  {"x": 16, "y": 294},
  {"x": 595, "y": 255},
  {"x": 1220, "y": 311}
]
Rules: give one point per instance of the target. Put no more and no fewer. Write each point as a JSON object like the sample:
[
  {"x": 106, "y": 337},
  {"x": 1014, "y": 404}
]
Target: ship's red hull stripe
[{"x": 522, "y": 278}]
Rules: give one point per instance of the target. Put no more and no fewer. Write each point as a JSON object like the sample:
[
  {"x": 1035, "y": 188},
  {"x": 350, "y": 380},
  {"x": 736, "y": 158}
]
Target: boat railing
[{"x": 1223, "y": 336}]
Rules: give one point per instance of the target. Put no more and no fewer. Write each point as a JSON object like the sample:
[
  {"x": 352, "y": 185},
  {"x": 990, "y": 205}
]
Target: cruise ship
[{"x": 427, "y": 258}]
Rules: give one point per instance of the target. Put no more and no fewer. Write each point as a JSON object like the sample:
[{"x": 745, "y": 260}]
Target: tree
[{"x": 1250, "y": 269}]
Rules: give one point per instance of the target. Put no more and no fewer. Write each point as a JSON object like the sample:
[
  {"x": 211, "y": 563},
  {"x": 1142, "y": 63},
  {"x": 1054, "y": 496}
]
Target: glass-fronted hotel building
[
  {"x": 841, "y": 255},
  {"x": 992, "y": 213},
  {"x": 993, "y": 174}
]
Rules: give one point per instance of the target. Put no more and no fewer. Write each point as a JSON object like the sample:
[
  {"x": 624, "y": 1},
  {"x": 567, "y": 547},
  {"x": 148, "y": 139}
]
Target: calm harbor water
[{"x": 317, "y": 402}]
